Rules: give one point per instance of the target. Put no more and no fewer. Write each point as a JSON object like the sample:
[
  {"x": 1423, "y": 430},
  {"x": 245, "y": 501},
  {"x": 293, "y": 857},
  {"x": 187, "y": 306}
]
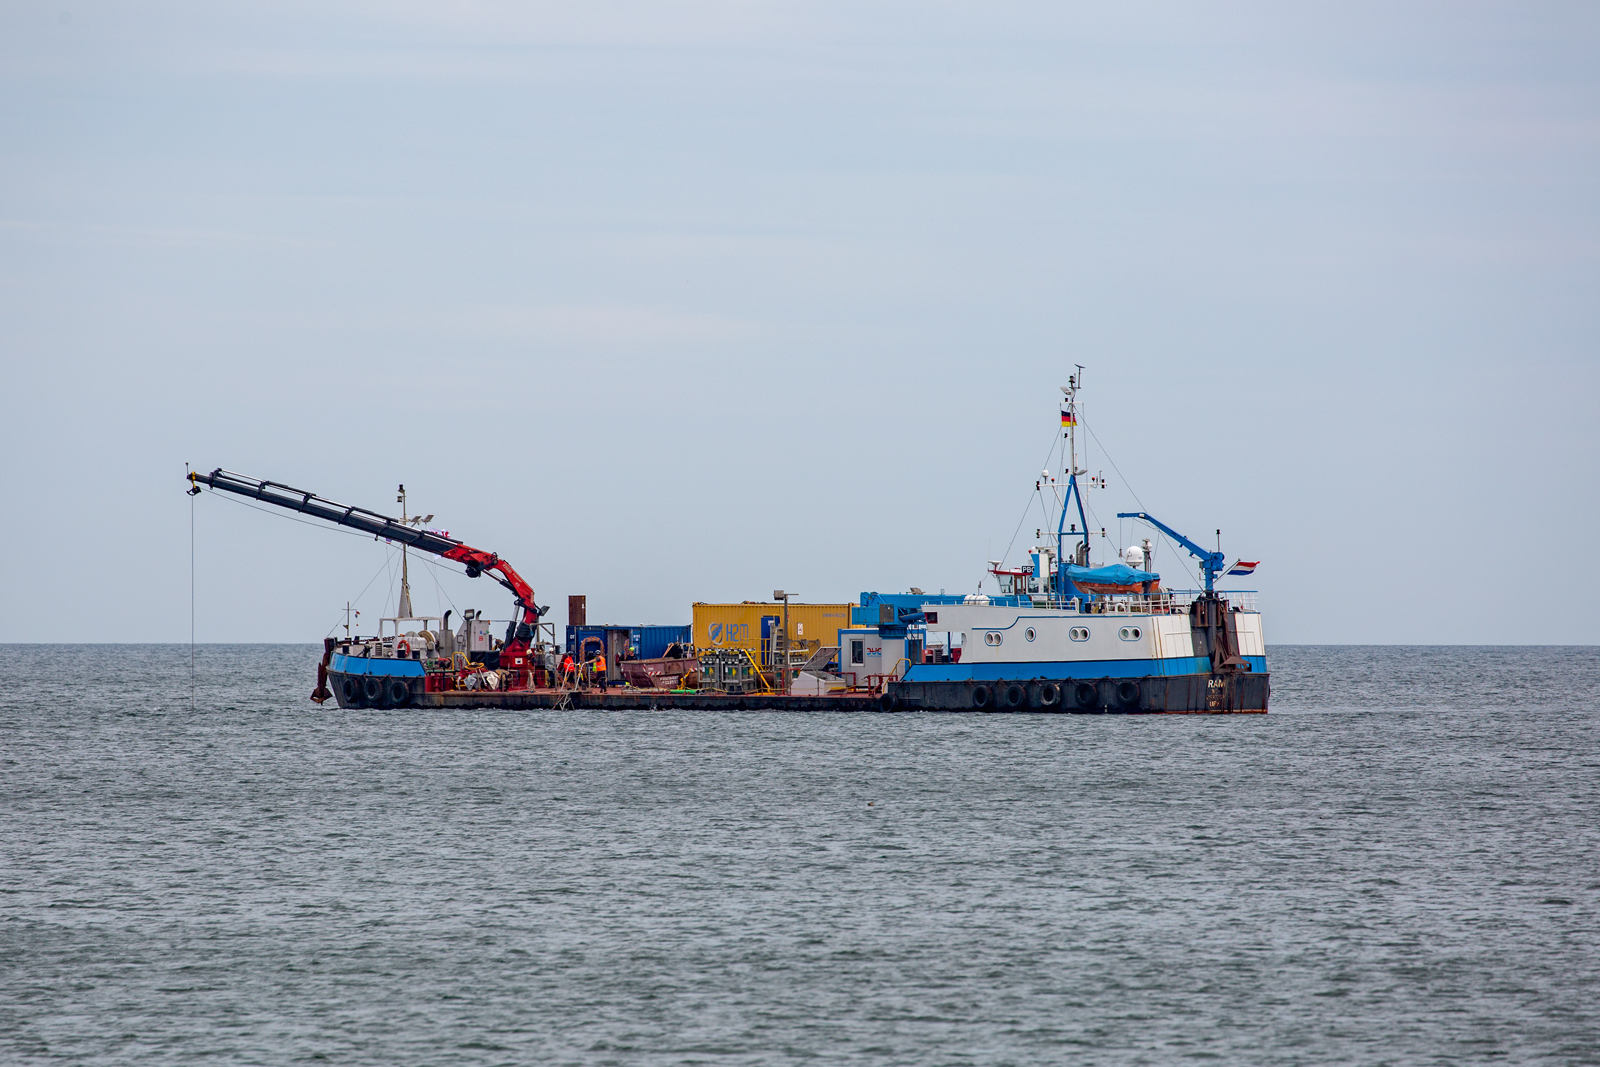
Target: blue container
[
  {"x": 643, "y": 642},
  {"x": 652, "y": 641}
]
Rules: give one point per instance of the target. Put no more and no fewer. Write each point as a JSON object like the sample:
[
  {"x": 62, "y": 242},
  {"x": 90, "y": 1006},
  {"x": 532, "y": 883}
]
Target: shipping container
[
  {"x": 635, "y": 642},
  {"x": 753, "y": 625}
]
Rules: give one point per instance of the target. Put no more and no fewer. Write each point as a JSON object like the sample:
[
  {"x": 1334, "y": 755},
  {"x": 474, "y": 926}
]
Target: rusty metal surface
[{"x": 659, "y": 673}]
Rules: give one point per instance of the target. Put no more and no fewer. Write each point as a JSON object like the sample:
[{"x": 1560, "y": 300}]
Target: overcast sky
[{"x": 683, "y": 302}]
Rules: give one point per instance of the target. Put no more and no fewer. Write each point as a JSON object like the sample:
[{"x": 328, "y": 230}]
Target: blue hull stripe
[
  {"x": 361, "y": 665},
  {"x": 1099, "y": 668}
]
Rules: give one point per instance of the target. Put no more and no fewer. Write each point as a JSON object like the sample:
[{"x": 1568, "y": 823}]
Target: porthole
[
  {"x": 1079, "y": 633},
  {"x": 1029, "y": 634},
  {"x": 991, "y": 638},
  {"x": 1130, "y": 633}
]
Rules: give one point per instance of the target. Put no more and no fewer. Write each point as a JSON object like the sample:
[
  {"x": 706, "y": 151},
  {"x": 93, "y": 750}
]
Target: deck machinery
[{"x": 428, "y": 665}]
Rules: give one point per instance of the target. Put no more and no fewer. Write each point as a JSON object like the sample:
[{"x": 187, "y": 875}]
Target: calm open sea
[{"x": 1399, "y": 865}]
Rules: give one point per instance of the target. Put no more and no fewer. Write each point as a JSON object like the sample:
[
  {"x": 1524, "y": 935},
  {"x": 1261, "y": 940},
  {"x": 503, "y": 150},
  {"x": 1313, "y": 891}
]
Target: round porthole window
[
  {"x": 991, "y": 638},
  {"x": 1130, "y": 633},
  {"x": 1079, "y": 633},
  {"x": 1029, "y": 634}
]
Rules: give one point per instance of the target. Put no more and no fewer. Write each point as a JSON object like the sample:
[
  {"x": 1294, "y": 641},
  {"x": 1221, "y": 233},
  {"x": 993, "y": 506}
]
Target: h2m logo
[{"x": 734, "y": 633}]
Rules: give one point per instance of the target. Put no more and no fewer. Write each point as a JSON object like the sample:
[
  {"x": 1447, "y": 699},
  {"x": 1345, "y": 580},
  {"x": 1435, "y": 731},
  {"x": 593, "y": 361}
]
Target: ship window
[
  {"x": 858, "y": 652},
  {"x": 1130, "y": 633},
  {"x": 1079, "y": 633},
  {"x": 933, "y": 616},
  {"x": 1029, "y": 634},
  {"x": 992, "y": 638}
]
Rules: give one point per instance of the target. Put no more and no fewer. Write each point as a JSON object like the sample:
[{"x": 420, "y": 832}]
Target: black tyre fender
[
  {"x": 1128, "y": 693},
  {"x": 980, "y": 696},
  {"x": 1016, "y": 696},
  {"x": 1085, "y": 694},
  {"x": 399, "y": 693},
  {"x": 372, "y": 689},
  {"x": 1049, "y": 695},
  {"x": 350, "y": 689},
  {"x": 888, "y": 702}
]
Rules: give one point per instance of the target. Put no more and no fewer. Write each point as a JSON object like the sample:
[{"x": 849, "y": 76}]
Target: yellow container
[{"x": 740, "y": 626}]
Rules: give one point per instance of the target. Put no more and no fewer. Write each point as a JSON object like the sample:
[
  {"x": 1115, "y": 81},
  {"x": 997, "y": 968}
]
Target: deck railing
[{"x": 1169, "y": 602}]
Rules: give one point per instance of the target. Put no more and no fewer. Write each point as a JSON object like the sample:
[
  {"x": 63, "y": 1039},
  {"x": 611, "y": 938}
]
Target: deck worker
[
  {"x": 567, "y": 667},
  {"x": 600, "y": 669}
]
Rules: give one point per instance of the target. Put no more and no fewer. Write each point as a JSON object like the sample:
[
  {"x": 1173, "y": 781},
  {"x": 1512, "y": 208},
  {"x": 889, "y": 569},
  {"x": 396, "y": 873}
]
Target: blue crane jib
[{"x": 1212, "y": 563}]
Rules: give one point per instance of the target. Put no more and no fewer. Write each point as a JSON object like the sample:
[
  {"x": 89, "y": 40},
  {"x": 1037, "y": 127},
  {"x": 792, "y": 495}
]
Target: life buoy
[
  {"x": 351, "y": 691},
  {"x": 1128, "y": 693},
  {"x": 1085, "y": 694},
  {"x": 372, "y": 689},
  {"x": 403, "y": 644},
  {"x": 980, "y": 696},
  {"x": 399, "y": 693},
  {"x": 1016, "y": 696},
  {"x": 1049, "y": 695}
]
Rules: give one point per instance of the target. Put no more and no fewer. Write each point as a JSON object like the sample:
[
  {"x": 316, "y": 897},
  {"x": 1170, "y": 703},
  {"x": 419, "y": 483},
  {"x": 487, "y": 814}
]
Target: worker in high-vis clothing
[
  {"x": 600, "y": 669},
  {"x": 567, "y": 667}
]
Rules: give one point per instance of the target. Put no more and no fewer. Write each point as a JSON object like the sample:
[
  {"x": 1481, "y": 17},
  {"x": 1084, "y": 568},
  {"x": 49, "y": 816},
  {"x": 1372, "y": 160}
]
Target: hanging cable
[
  {"x": 1029, "y": 506},
  {"x": 363, "y": 592},
  {"x": 191, "y": 602},
  {"x": 1170, "y": 546}
]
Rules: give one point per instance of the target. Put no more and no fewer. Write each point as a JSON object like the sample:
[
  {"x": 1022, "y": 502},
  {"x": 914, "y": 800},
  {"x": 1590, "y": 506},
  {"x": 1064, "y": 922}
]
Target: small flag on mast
[
  {"x": 1068, "y": 417},
  {"x": 1242, "y": 567}
]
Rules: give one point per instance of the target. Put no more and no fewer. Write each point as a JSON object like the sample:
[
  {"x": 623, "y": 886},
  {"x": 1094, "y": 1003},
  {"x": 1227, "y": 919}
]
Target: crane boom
[
  {"x": 1213, "y": 562},
  {"x": 476, "y": 560}
]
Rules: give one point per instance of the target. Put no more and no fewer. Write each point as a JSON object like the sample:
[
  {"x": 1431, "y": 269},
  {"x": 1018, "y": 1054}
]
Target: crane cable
[
  {"x": 191, "y": 602},
  {"x": 1159, "y": 533}
]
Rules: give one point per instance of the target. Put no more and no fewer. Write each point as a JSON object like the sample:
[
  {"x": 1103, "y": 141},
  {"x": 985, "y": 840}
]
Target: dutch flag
[{"x": 1243, "y": 567}]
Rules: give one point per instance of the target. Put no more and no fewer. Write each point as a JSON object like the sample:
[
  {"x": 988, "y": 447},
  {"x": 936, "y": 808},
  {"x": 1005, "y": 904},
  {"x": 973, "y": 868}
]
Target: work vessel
[
  {"x": 1059, "y": 634},
  {"x": 1064, "y": 635}
]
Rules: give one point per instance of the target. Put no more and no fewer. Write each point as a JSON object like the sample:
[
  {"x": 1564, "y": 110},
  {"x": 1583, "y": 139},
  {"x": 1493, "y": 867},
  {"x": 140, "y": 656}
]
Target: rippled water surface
[{"x": 1398, "y": 865}]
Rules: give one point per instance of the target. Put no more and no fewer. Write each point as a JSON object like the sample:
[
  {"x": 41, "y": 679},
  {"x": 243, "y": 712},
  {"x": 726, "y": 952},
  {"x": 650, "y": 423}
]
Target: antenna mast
[{"x": 1069, "y": 428}]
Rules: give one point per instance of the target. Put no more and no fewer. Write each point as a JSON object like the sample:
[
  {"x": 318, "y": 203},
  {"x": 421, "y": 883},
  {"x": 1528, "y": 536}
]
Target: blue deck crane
[{"x": 1212, "y": 562}]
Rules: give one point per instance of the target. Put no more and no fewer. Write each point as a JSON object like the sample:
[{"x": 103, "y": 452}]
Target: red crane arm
[{"x": 477, "y": 561}]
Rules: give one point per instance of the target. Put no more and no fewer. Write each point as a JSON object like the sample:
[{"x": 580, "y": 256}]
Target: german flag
[{"x": 1068, "y": 418}]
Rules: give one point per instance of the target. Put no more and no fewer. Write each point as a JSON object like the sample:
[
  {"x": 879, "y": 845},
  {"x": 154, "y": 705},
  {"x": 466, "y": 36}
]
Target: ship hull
[{"x": 1155, "y": 694}]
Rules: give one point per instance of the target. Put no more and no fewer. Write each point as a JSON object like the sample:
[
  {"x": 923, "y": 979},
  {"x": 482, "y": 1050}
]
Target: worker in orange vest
[
  {"x": 600, "y": 668},
  {"x": 566, "y": 668}
]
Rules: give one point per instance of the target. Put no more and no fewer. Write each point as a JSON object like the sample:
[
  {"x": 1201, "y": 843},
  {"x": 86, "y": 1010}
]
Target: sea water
[{"x": 1399, "y": 865}]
